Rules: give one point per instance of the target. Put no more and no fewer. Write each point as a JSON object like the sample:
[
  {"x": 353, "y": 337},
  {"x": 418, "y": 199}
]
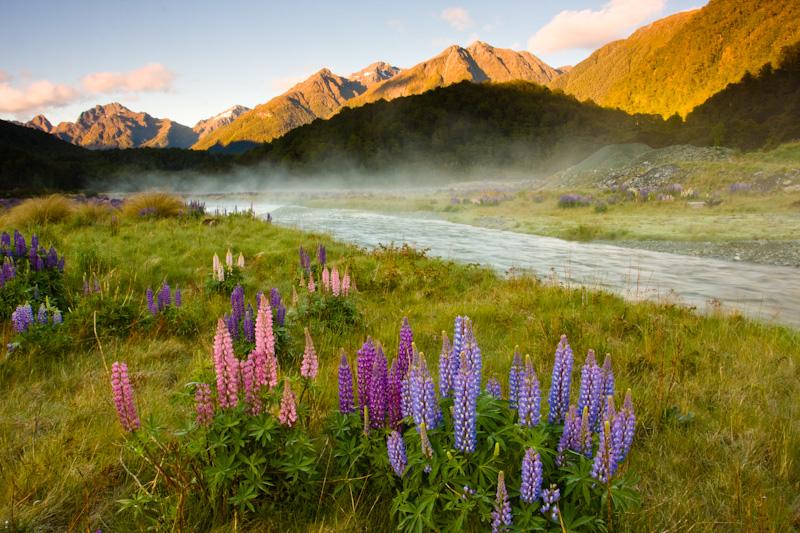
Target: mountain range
[{"x": 668, "y": 67}]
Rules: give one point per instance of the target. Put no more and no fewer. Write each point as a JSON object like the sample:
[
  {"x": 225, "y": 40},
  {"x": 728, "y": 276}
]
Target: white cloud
[
  {"x": 458, "y": 17},
  {"x": 36, "y": 96},
  {"x": 591, "y": 29},
  {"x": 153, "y": 77},
  {"x": 4, "y": 77}
]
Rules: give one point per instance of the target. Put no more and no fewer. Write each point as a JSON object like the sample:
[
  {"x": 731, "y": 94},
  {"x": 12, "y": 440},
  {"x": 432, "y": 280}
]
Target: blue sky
[{"x": 191, "y": 60}]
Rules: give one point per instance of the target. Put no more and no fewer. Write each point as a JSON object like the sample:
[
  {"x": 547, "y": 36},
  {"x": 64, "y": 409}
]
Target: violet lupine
[
  {"x": 164, "y": 297},
  {"x": 151, "y": 305},
  {"x": 96, "y": 284},
  {"x": 377, "y": 393},
  {"x": 346, "y": 405},
  {"x": 396, "y": 450},
  {"x": 532, "y": 474},
  {"x": 465, "y": 397},
  {"x": 19, "y": 245},
  {"x": 572, "y": 426},
  {"x": 33, "y": 258},
  {"x": 57, "y": 316},
  {"x": 558, "y": 398},
  {"x": 22, "y": 318},
  {"x": 123, "y": 396},
  {"x": 178, "y": 298},
  {"x": 288, "y": 413},
  {"x": 247, "y": 325},
  {"x": 9, "y": 271},
  {"x": 237, "y": 311},
  {"x": 225, "y": 366},
  {"x": 445, "y": 377},
  {"x": 515, "y": 379},
  {"x": 41, "y": 316},
  {"x": 529, "y": 397},
  {"x": 424, "y": 406},
  {"x": 326, "y": 280},
  {"x": 394, "y": 398},
  {"x": 278, "y": 309},
  {"x": 605, "y": 463},
  {"x": 204, "y": 406},
  {"x": 627, "y": 423},
  {"x": 336, "y": 284},
  {"x": 310, "y": 365},
  {"x": 404, "y": 347},
  {"x": 321, "y": 255},
  {"x": 550, "y": 501},
  {"x": 266, "y": 364},
  {"x": 406, "y": 407},
  {"x": 5, "y": 240},
  {"x": 493, "y": 387},
  {"x": 608, "y": 378},
  {"x": 591, "y": 389},
  {"x": 364, "y": 363},
  {"x": 501, "y": 516}
]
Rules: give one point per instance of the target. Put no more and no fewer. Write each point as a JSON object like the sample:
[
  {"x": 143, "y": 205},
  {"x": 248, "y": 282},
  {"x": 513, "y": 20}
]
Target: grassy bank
[{"x": 716, "y": 396}]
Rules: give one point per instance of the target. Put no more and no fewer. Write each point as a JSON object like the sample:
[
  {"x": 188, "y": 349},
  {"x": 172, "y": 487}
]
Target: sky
[{"x": 188, "y": 61}]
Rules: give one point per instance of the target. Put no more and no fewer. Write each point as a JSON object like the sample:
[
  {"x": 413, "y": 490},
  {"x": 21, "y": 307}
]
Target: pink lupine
[
  {"x": 310, "y": 364},
  {"x": 123, "y": 397},
  {"x": 295, "y": 299},
  {"x": 240, "y": 261},
  {"x": 335, "y": 284},
  {"x": 226, "y": 366},
  {"x": 250, "y": 385},
  {"x": 326, "y": 279},
  {"x": 302, "y": 280},
  {"x": 204, "y": 406},
  {"x": 266, "y": 365},
  {"x": 345, "y": 282},
  {"x": 311, "y": 286},
  {"x": 229, "y": 259},
  {"x": 288, "y": 413}
]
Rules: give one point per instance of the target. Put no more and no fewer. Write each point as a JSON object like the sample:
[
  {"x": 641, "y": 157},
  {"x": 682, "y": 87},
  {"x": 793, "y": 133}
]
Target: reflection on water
[{"x": 758, "y": 290}]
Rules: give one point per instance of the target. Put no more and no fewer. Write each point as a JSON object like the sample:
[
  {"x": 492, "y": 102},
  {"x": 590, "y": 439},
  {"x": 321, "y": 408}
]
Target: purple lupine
[
  {"x": 278, "y": 309},
  {"x": 532, "y": 474},
  {"x": 87, "y": 290},
  {"x": 404, "y": 348},
  {"x": 445, "y": 378},
  {"x": 22, "y": 318},
  {"x": 5, "y": 240},
  {"x": 515, "y": 379},
  {"x": 470, "y": 346},
  {"x": 19, "y": 245},
  {"x": 364, "y": 363},
  {"x": 237, "y": 311},
  {"x": 501, "y": 516},
  {"x": 96, "y": 287},
  {"x": 9, "y": 271},
  {"x": 166, "y": 295},
  {"x": 57, "y": 316},
  {"x": 377, "y": 393},
  {"x": 123, "y": 397},
  {"x": 321, "y": 255},
  {"x": 626, "y": 420},
  {"x": 529, "y": 397},
  {"x": 396, "y": 449},
  {"x": 394, "y": 397},
  {"x": 558, "y": 398},
  {"x": 33, "y": 259},
  {"x": 493, "y": 387},
  {"x": 248, "y": 326},
  {"x": 151, "y": 305},
  {"x": 204, "y": 407},
  {"x": 591, "y": 389},
  {"x": 608, "y": 378},
  {"x": 550, "y": 501},
  {"x": 572, "y": 426},
  {"x": 41, "y": 316},
  {"x": 583, "y": 439},
  {"x": 458, "y": 337},
  {"x": 423, "y": 395},
  {"x": 465, "y": 397},
  {"x": 345, "y": 386},
  {"x": 34, "y": 241},
  {"x": 406, "y": 406},
  {"x": 605, "y": 462},
  {"x": 178, "y": 297}
]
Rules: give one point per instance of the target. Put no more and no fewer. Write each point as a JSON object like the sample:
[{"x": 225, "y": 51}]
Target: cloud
[
  {"x": 153, "y": 77},
  {"x": 457, "y": 17},
  {"x": 592, "y": 29},
  {"x": 39, "y": 95}
]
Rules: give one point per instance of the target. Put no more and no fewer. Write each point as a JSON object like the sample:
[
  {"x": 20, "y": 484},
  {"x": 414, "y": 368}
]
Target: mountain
[
  {"x": 40, "y": 122},
  {"x": 204, "y": 127},
  {"x": 478, "y": 62},
  {"x": 317, "y": 97},
  {"x": 677, "y": 63}
]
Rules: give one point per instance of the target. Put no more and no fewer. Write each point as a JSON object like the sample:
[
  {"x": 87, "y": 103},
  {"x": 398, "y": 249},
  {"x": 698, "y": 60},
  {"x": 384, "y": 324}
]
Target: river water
[{"x": 761, "y": 291}]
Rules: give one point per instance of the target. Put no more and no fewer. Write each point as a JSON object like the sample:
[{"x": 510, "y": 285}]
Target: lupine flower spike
[
  {"x": 345, "y": 386},
  {"x": 515, "y": 379},
  {"x": 310, "y": 364},
  {"x": 529, "y": 397},
  {"x": 123, "y": 397},
  {"x": 558, "y": 398},
  {"x": 531, "y": 488},
  {"x": 501, "y": 516},
  {"x": 550, "y": 501},
  {"x": 396, "y": 450},
  {"x": 203, "y": 405},
  {"x": 288, "y": 412}
]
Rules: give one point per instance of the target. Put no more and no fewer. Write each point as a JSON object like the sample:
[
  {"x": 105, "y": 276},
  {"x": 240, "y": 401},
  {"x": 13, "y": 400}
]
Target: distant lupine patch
[
  {"x": 738, "y": 187},
  {"x": 573, "y": 200},
  {"x": 148, "y": 212}
]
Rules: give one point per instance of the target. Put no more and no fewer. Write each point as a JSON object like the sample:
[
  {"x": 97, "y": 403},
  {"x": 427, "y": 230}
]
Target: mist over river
[{"x": 761, "y": 291}]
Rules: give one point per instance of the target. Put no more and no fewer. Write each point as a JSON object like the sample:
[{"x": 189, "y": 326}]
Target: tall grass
[
  {"x": 159, "y": 204},
  {"x": 716, "y": 395},
  {"x": 38, "y": 211}
]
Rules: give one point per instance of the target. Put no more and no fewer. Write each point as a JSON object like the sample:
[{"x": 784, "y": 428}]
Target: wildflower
[
  {"x": 515, "y": 379},
  {"x": 178, "y": 298},
  {"x": 531, "y": 488},
  {"x": 608, "y": 378},
  {"x": 445, "y": 377},
  {"x": 226, "y": 366},
  {"x": 295, "y": 299},
  {"x": 345, "y": 386},
  {"x": 278, "y": 309},
  {"x": 237, "y": 311},
  {"x": 465, "y": 397},
  {"x": 377, "y": 393},
  {"x": 321, "y": 255},
  {"x": 240, "y": 261},
  {"x": 605, "y": 463},
  {"x": 229, "y": 260},
  {"x": 394, "y": 397},
  {"x": 558, "y": 398},
  {"x": 591, "y": 389},
  {"x": 288, "y": 413},
  {"x": 326, "y": 280},
  {"x": 56, "y": 316},
  {"x": 467, "y": 492},
  {"x": 151, "y": 305},
  {"x": 423, "y": 396},
  {"x": 364, "y": 363},
  {"x": 310, "y": 364},
  {"x": 550, "y": 498},
  {"x": 203, "y": 405},
  {"x": 336, "y": 284},
  {"x": 346, "y": 283},
  {"x": 493, "y": 387},
  {"x": 41, "y": 316},
  {"x": 529, "y": 397},
  {"x": 266, "y": 364},
  {"x": 626, "y": 420},
  {"x": 22, "y": 318},
  {"x": 502, "y": 507},
  {"x": 311, "y": 286},
  {"x": 396, "y": 449},
  {"x": 404, "y": 348},
  {"x": 123, "y": 397}
]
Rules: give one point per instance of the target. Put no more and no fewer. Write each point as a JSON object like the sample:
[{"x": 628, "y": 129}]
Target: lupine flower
[
  {"x": 247, "y": 325},
  {"x": 558, "y": 399},
  {"x": 364, "y": 363},
  {"x": 229, "y": 259},
  {"x": 445, "y": 377},
  {"x": 22, "y": 318},
  {"x": 278, "y": 309},
  {"x": 550, "y": 498},
  {"x": 151, "y": 305},
  {"x": 605, "y": 462},
  {"x": 178, "y": 298},
  {"x": 346, "y": 283},
  {"x": 123, "y": 397},
  {"x": 465, "y": 397},
  {"x": 288, "y": 413},
  {"x": 41, "y": 316},
  {"x": 467, "y": 492},
  {"x": 295, "y": 299},
  {"x": 345, "y": 386},
  {"x": 425, "y": 445},
  {"x": 311, "y": 286},
  {"x": 204, "y": 407},
  {"x": 225, "y": 366},
  {"x": 501, "y": 515},
  {"x": 335, "y": 283},
  {"x": 96, "y": 287},
  {"x": 591, "y": 389},
  {"x": 406, "y": 406},
  {"x": 56, "y": 316},
  {"x": 423, "y": 396},
  {"x": 515, "y": 379},
  {"x": 237, "y": 311},
  {"x": 310, "y": 364},
  {"x": 394, "y": 398},
  {"x": 628, "y": 424},
  {"x": 493, "y": 387},
  {"x": 572, "y": 425},
  {"x": 608, "y": 378},
  {"x": 266, "y": 363},
  {"x": 531, "y": 488},
  {"x": 5, "y": 240},
  {"x": 321, "y": 255},
  {"x": 9, "y": 271},
  {"x": 19, "y": 245},
  {"x": 404, "y": 348},
  {"x": 529, "y": 397},
  {"x": 326, "y": 280},
  {"x": 396, "y": 449},
  {"x": 240, "y": 261},
  {"x": 377, "y": 393},
  {"x": 166, "y": 295}
]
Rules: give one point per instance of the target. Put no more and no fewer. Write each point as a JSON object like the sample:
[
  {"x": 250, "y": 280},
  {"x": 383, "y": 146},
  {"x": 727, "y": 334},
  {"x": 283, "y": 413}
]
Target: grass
[
  {"x": 159, "y": 204},
  {"x": 38, "y": 211},
  {"x": 716, "y": 395}
]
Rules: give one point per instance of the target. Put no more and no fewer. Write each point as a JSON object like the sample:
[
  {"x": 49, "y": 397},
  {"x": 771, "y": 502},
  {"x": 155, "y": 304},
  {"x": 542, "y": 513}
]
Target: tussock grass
[
  {"x": 39, "y": 211},
  {"x": 91, "y": 213},
  {"x": 716, "y": 395},
  {"x": 164, "y": 204}
]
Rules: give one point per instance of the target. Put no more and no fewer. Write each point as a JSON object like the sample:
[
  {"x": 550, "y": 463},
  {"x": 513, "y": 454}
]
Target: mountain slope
[
  {"x": 317, "y": 97},
  {"x": 204, "y": 127},
  {"x": 593, "y": 78}
]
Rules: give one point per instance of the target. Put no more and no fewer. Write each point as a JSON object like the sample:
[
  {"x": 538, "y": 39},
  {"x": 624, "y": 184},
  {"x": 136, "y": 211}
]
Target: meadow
[{"x": 715, "y": 447}]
